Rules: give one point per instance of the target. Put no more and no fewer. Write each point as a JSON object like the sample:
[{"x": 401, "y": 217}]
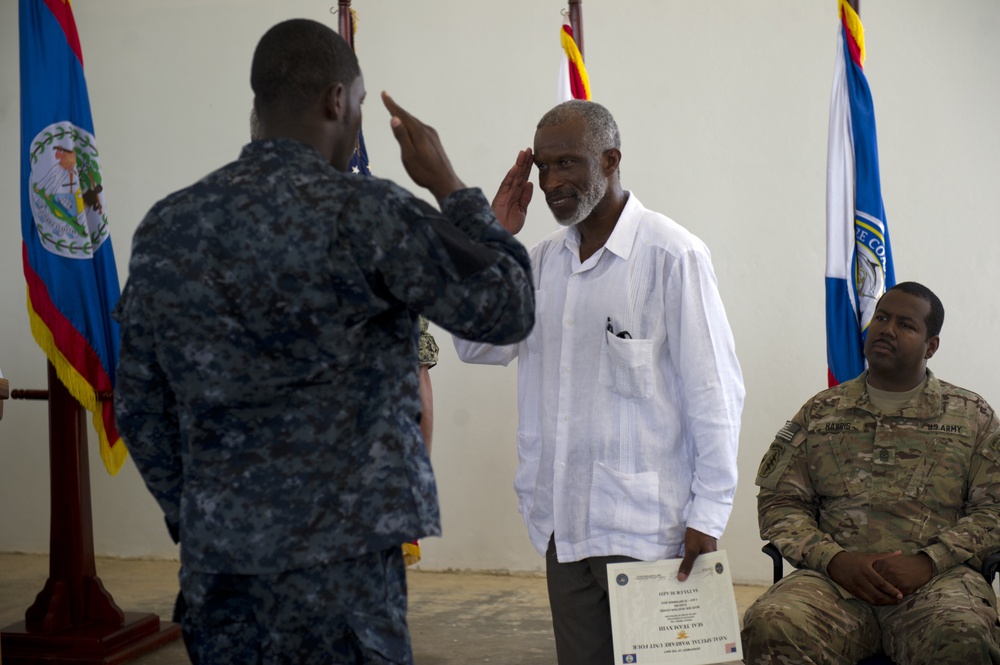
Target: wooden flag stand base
[{"x": 74, "y": 619}]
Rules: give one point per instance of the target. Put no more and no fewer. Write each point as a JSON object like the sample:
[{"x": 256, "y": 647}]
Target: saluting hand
[
  {"x": 510, "y": 204},
  {"x": 421, "y": 151}
]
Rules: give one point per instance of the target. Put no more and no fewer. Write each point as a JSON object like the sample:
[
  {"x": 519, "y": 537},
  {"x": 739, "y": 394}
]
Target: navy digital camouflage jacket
[{"x": 267, "y": 387}]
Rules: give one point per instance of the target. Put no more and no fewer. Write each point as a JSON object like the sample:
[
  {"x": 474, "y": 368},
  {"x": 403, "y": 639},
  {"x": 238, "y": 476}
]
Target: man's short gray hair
[{"x": 601, "y": 131}]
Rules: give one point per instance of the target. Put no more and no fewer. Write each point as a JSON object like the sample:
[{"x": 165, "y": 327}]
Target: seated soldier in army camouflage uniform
[{"x": 884, "y": 492}]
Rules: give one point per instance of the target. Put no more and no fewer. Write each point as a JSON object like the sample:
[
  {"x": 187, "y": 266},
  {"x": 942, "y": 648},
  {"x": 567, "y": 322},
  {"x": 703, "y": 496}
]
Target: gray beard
[{"x": 588, "y": 201}]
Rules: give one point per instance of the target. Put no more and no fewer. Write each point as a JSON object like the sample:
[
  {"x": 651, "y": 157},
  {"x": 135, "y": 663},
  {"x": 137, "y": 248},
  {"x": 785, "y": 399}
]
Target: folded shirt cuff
[{"x": 820, "y": 556}]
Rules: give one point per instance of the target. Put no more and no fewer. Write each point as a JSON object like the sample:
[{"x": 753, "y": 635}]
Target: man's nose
[{"x": 547, "y": 182}]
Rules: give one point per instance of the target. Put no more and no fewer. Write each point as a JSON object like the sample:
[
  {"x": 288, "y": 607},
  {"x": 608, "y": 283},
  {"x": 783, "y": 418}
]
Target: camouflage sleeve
[
  {"x": 458, "y": 266},
  {"x": 427, "y": 353},
  {"x": 145, "y": 411},
  {"x": 978, "y": 531},
  {"x": 787, "y": 506}
]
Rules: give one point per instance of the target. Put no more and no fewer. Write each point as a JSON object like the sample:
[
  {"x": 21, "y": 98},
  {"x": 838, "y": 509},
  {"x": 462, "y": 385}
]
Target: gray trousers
[
  {"x": 581, "y": 611},
  {"x": 806, "y": 618}
]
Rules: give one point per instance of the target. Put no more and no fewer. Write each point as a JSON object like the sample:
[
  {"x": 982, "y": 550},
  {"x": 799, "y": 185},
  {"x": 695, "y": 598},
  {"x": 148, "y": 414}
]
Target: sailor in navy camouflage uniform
[{"x": 267, "y": 387}]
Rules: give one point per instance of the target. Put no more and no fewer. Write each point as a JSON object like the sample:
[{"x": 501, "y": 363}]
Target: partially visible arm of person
[
  {"x": 427, "y": 357},
  {"x": 145, "y": 410},
  {"x": 426, "y": 405},
  {"x": 702, "y": 348}
]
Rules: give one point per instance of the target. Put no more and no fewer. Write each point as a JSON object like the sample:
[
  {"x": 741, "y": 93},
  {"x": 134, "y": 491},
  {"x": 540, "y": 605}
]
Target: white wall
[{"x": 723, "y": 109}]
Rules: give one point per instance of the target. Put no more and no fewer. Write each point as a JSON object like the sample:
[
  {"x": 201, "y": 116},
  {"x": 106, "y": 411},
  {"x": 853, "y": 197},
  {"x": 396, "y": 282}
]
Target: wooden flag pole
[
  {"x": 74, "y": 619},
  {"x": 4, "y": 394},
  {"x": 344, "y": 22},
  {"x": 576, "y": 22}
]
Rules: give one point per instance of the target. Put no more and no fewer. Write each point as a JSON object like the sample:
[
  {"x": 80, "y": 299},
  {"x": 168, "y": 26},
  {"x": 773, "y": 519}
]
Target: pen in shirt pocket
[{"x": 624, "y": 334}]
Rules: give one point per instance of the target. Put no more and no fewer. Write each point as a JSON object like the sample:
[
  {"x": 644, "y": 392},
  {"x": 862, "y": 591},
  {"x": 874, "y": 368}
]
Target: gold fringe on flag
[
  {"x": 411, "y": 553},
  {"x": 113, "y": 455}
]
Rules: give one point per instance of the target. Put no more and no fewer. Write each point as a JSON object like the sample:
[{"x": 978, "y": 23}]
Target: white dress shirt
[{"x": 624, "y": 440}]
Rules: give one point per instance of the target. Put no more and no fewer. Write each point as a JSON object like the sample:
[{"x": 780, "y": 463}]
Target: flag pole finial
[{"x": 345, "y": 21}]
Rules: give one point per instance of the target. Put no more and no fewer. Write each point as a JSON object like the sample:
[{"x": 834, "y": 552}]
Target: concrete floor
[{"x": 455, "y": 618}]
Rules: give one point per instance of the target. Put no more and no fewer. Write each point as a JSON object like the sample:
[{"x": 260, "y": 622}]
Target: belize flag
[
  {"x": 69, "y": 265},
  {"x": 573, "y": 80},
  {"x": 858, "y": 253}
]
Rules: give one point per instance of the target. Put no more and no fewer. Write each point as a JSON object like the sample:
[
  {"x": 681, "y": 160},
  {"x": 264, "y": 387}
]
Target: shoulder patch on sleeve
[
  {"x": 770, "y": 461},
  {"x": 788, "y": 432},
  {"x": 995, "y": 442},
  {"x": 777, "y": 457},
  {"x": 991, "y": 450}
]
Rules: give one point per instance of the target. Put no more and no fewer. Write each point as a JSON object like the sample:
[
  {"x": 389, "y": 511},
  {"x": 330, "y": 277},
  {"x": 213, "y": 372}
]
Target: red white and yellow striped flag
[{"x": 573, "y": 80}]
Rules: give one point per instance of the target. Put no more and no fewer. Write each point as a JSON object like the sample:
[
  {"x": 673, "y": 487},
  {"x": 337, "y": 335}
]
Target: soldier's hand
[
  {"x": 510, "y": 204},
  {"x": 907, "y": 572},
  {"x": 695, "y": 543},
  {"x": 855, "y": 572},
  {"x": 422, "y": 153}
]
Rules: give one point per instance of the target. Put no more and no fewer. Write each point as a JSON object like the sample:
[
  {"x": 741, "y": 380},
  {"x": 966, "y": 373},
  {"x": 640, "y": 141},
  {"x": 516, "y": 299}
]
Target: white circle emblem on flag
[{"x": 65, "y": 190}]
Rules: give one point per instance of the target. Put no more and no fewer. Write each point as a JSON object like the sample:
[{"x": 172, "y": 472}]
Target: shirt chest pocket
[
  {"x": 938, "y": 479},
  {"x": 838, "y": 467},
  {"x": 626, "y": 366}
]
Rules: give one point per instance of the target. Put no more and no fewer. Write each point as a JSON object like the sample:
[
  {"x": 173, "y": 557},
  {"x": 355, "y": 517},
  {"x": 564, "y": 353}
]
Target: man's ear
[
  {"x": 334, "y": 101},
  {"x": 932, "y": 347},
  {"x": 610, "y": 160}
]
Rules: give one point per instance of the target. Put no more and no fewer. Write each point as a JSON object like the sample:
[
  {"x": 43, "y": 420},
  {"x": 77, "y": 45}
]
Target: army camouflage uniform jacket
[
  {"x": 267, "y": 388},
  {"x": 842, "y": 475},
  {"x": 427, "y": 349}
]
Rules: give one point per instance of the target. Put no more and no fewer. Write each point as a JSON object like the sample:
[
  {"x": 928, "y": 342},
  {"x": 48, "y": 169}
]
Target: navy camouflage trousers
[{"x": 342, "y": 612}]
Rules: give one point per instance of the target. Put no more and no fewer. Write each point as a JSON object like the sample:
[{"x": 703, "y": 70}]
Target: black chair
[{"x": 989, "y": 570}]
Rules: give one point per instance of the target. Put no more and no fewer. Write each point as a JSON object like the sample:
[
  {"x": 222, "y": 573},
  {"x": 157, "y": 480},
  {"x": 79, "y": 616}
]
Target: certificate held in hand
[{"x": 656, "y": 619}]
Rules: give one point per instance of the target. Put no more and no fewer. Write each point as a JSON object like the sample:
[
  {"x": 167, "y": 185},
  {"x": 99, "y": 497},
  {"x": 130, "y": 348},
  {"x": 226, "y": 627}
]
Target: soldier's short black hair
[
  {"x": 935, "y": 318},
  {"x": 296, "y": 60}
]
